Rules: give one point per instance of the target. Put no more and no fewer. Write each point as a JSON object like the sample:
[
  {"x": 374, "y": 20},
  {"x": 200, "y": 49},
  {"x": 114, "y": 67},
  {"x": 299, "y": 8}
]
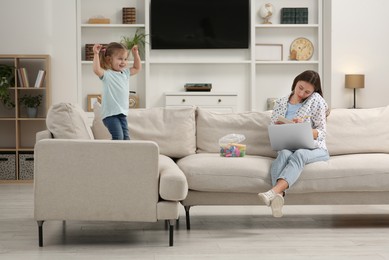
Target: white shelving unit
[
  {"x": 233, "y": 70},
  {"x": 274, "y": 78}
]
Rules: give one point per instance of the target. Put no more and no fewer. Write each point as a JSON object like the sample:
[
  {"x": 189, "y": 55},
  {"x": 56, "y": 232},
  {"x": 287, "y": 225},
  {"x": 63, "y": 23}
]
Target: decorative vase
[{"x": 32, "y": 112}]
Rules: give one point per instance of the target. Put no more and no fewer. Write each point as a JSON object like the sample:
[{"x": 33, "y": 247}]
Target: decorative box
[
  {"x": 7, "y": 166},
  {"x": 26, "y": 166},
  {"x": 99, "y": 20}
]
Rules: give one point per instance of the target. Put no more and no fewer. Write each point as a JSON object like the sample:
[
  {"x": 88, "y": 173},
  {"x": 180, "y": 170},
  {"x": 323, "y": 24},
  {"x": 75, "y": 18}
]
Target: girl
[
  {"x": 110, "y": 64},
  {"x": 304, "y": 104}
]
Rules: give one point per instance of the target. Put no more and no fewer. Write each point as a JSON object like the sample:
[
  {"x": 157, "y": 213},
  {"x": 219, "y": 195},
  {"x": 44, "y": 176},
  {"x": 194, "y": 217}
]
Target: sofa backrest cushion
[
  {"x": 211, "y": 126},
  {"x": 358, "y": 131},
  {"x": 173, "y": 129},
  {"x": 100, "y": 131},
  {"x": 68, "y": 121}
]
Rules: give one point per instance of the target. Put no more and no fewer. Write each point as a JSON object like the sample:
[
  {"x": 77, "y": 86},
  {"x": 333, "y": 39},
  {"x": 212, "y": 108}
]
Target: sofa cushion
[
  {"x": 351, "y": 173},
  {"x": 358, "y": 131},
  {"x": 211, "y": 126},
  {"x": 68, "y": 121},
  {"x": 251, "y": 174},
  {"x": 173, "y": 129},
  {"x": 213, "y": 173}
]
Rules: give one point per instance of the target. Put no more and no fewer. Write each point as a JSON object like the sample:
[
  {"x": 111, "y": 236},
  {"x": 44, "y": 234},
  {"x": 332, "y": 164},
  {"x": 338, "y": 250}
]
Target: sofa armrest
[
  {"x": 96, "y": 180},
  {"x": 45, "y": 134},
  {"x": 173, "y": 184}
]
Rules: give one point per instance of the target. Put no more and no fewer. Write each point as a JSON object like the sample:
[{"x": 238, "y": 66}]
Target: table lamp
[{"x": 355, "y": 81}]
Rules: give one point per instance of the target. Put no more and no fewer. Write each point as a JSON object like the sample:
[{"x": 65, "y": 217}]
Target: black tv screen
[{"x": 199, "y": 24}]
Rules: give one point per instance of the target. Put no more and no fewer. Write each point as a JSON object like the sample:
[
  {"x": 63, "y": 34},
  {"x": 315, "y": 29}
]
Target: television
[{"x": 199, "y": 24}]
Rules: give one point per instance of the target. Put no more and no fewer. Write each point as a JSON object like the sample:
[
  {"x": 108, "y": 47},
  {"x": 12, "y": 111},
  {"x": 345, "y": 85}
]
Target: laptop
[{"x": 291, "y": 136}]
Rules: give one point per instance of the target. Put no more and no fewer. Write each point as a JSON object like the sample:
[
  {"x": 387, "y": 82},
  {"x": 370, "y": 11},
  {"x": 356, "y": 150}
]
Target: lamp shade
[{"x": 355, "y": 81}]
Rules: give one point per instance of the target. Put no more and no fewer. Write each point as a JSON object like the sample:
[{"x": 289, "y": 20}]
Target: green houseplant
[
  {"x": 31, "y": 103},
  {"x": 139, "y": 39},
  {"x": 7, "y": 77}
]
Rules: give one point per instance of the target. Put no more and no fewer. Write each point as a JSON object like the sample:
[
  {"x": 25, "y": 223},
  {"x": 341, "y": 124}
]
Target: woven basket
[{"x": 129, "y": 15}]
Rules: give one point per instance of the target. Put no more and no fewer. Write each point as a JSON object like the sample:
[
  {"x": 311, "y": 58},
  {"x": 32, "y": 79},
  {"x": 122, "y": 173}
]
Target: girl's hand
[
  {"x": 97, "y": 48},
  {"x": 134, "y": 50}
]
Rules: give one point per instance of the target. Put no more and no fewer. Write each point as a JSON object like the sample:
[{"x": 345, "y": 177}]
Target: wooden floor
[{"x": 305, "y": 232}]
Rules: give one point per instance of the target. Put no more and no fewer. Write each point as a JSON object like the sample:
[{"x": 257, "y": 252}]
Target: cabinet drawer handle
[
  {"x": 219, "y": 100},
  {"x": 183, "y": 100}
]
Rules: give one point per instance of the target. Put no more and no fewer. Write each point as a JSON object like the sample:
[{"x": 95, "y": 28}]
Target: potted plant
[
  {"x": 7, "y": 76},
  {"x": 31, "y": 103},
  {"x": 139, "y": 39}
]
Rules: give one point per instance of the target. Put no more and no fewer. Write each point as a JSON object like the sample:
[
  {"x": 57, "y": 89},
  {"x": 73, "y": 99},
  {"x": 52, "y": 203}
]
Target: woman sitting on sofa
[{"x": 304, "y": 104}]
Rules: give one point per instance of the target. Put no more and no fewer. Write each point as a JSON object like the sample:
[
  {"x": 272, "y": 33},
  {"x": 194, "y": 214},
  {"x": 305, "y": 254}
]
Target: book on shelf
[
  {"x": 288, "y": 15},
  {"x": 297, "y": 15},
  {"x": 301, "y": 15},
  {"x": 40, "y": 78},
  {"x": 23, "y": 78}
]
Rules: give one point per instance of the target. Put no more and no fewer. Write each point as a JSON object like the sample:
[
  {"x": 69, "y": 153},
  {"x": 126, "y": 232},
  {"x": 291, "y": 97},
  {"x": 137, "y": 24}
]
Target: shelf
[
  {"x": 299, "y": 26},
  {"x": 86, "y": 25},
  {"x": 232, "y": 70},
  {"x": 26, "y": 149},
  {"x": 286, "y": 62},
  {"x": 17, "y": 131},
  {"x": 200, "y": 62},
  {"x": 89, "y": 62},
  {"x": 200, "y": 93},
  {"x": 31, "y": 119},
  {"x": 30, "y": 88},
  {"x": 7, "y": 149}
]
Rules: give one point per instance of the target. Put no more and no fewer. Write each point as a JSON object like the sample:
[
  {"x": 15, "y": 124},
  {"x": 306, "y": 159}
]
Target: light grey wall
[
  {"x": 44, "y": 27},
  {"x": 359, "y": 44}
]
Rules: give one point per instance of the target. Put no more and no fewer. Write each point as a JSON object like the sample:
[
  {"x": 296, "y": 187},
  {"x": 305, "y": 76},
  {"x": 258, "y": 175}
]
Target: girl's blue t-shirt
[{"x": 116, "y": 88}]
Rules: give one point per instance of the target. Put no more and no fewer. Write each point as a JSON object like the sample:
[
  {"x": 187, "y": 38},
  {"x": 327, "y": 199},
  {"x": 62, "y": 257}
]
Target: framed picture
[
  {"x": 268, "y": 52},
  {"x": 92, "y": 99}
]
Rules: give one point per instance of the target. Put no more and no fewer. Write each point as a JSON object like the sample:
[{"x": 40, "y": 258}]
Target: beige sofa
[
  {"x": 357, "y": 172},
  {"x": 79, "y": 178}
]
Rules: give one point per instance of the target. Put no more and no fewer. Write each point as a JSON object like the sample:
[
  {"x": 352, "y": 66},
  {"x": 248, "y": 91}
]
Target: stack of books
[
  {"x": 24, "y": 80},
  {"x": 290, "y": 15}
]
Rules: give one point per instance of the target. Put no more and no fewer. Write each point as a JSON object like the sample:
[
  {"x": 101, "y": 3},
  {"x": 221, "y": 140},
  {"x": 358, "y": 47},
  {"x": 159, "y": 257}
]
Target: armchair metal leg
[
  {"x": 171, "y": 230},
  {"x": 40, "y": 232},
  {"x": 187, "y": 208}
]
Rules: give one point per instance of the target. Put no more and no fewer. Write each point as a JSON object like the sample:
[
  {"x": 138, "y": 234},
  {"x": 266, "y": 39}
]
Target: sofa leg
[
  {"x": 40, "y": 232},
  {"x": 171, "y": 231},
  {"x": 187, "y": 208}
]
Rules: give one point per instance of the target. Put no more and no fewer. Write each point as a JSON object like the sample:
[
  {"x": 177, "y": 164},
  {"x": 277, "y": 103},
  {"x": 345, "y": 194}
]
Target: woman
[{"x": 304, "y": 104}]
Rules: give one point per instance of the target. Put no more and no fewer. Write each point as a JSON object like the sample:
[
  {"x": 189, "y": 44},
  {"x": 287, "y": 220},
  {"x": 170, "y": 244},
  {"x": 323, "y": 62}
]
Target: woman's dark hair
[
  {"x": 311, "y": 77},
  {"x": 108, "y": 51}
]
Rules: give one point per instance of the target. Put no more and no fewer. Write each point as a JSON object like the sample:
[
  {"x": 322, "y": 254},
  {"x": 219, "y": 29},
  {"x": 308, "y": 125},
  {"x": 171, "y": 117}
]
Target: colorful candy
[{"x": 233, "y": 150}]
